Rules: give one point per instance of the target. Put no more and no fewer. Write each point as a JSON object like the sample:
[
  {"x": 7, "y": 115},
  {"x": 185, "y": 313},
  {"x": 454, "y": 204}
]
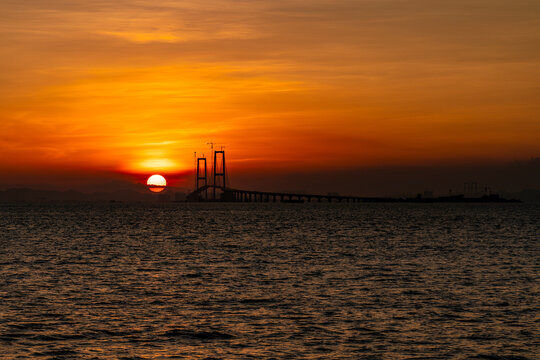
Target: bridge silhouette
[
  {"x": 237, "y": 195},
  {"x": 219, "y": 190}
]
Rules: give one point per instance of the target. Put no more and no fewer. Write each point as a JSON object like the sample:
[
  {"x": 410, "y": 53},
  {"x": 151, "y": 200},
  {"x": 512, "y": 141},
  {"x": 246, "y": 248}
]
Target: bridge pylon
[
  {"x": 219, "y": 171},
  {"x": 202, "y": 177}
]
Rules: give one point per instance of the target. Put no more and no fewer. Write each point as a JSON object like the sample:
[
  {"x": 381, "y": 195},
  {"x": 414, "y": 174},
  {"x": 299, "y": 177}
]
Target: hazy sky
[{"x": 138, "y": 86}]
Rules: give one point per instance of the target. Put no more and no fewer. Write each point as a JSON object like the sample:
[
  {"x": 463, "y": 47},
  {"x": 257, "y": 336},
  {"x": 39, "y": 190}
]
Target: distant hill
[{"x": 32, "y": 195}]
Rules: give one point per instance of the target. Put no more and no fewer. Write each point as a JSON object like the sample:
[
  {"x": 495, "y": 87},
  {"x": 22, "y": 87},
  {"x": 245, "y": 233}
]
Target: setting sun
[{"x": 156, "y": 183}]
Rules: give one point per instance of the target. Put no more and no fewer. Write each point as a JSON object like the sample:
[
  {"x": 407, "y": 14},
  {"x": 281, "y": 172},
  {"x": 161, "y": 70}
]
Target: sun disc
[{"x": 156, "y": 183}]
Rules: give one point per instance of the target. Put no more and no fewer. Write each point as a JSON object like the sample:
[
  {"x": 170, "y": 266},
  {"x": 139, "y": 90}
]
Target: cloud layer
[{"x": 313, "y": 84}]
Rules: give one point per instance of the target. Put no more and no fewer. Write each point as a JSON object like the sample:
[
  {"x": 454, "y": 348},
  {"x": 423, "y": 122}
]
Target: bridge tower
[
  {"x": 219, "y": 171},
  {"x": 202, "y": 176}
]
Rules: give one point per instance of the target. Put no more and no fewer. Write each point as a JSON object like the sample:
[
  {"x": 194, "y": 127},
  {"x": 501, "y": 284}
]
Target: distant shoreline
[
  {"x": 25, "y": 195},
  {"x": 446, "y": 199}
]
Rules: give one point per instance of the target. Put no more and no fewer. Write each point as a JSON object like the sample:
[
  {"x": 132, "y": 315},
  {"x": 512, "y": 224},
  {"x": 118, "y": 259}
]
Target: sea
[{"x": 269, "y": 281}]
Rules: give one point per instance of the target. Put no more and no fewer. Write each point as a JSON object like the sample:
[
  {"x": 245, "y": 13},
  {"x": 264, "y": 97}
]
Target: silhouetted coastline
[
  {"x": 494, "y": 198},
  {"x": 36, "y": 196}
]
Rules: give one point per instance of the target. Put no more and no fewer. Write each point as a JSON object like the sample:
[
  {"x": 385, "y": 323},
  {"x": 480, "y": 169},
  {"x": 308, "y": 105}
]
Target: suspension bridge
[{"x": 214, "y": 186}]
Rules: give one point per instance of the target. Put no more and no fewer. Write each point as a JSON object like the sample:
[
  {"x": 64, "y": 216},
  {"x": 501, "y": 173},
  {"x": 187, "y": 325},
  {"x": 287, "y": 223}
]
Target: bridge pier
[{"x": 236, "y": 195}]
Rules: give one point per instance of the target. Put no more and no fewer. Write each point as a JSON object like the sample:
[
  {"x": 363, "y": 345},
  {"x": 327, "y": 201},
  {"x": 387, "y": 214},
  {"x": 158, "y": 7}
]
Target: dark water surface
[{"x": 269, "y": 281}]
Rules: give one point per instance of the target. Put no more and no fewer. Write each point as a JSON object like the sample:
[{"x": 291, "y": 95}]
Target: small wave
[
  {"x": 27, "y": 326},
  {"x": 364, "y": 329},
  {"x": 480, "y": 337},
  {"x": 58, "y": 352},
  {"x": 499, "y": 357},
  {"x": 112, "y": 333},
  {"x": 256, "y": 301},
  {"x": 412, "y": 292},
  {"x": 58, "y": 337},
  {"x": 193, "y": 275},
  {"x": 199, "y": 335},
  {"x": 9, "y": 337}
]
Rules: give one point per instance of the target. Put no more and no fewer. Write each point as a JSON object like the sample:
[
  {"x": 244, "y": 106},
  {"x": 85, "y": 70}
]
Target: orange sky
[{"x": 138, "y": 86}]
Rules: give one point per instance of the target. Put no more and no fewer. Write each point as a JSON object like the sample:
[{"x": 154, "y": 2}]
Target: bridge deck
[{"x": 239, "y": 195}]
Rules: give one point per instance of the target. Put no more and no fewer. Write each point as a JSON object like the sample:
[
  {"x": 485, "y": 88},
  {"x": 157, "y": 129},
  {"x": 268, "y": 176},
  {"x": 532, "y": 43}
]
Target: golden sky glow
[{"x": 138, "y": 86}]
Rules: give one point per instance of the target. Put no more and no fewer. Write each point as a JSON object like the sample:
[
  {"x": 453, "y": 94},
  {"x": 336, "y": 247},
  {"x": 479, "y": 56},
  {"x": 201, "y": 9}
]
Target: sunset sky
[{"x": 135, "y": 87}]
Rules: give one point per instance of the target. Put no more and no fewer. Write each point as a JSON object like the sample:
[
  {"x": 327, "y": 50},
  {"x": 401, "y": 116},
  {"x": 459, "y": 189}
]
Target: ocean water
[{"x": 269, "y": 281}]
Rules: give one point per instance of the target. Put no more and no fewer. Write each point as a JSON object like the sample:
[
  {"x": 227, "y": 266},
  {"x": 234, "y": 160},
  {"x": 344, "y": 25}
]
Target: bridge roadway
[{"x": 237, "y": 195}]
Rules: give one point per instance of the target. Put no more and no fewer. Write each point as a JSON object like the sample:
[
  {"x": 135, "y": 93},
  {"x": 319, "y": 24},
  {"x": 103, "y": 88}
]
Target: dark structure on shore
[{"x": 220, "y": 191}]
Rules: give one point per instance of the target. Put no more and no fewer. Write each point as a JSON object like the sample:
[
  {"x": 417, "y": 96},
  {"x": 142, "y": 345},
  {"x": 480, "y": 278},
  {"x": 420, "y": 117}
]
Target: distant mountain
[{"x": 32, "y": 195}]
